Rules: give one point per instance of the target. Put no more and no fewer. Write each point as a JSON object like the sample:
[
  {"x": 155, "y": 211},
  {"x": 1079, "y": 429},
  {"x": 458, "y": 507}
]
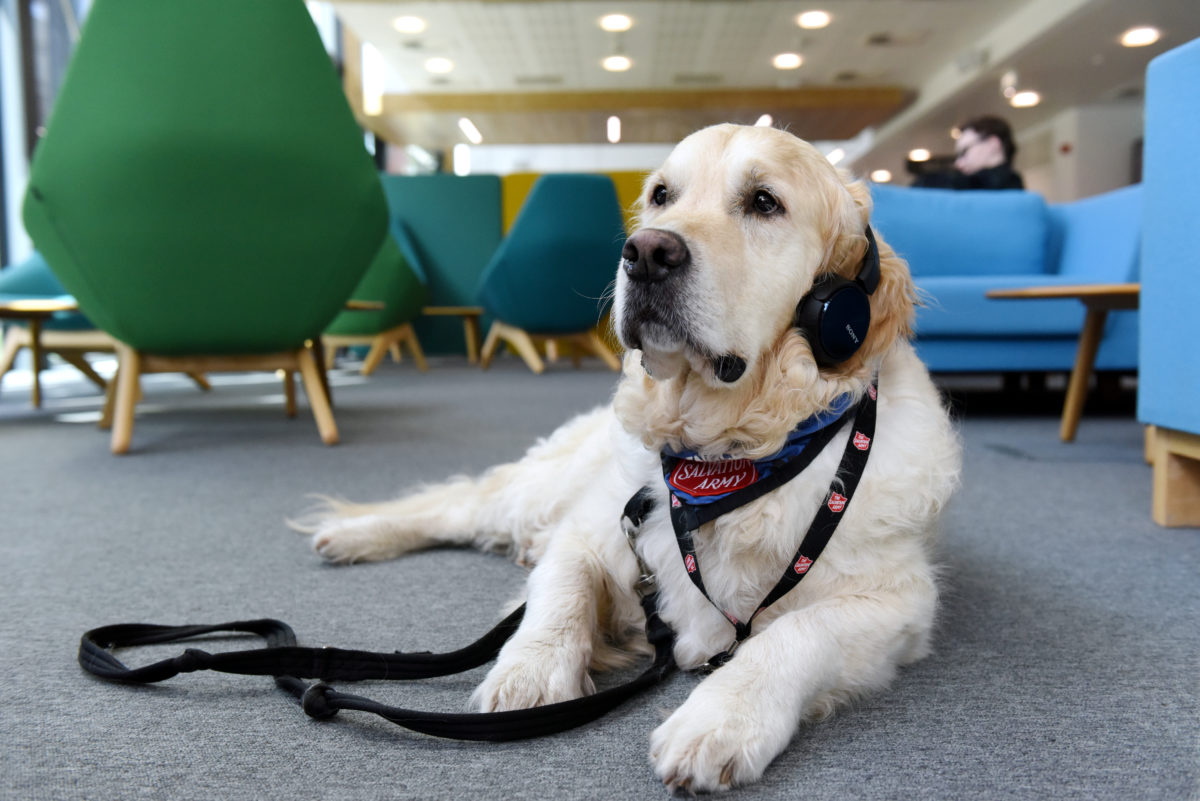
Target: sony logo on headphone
[{"x": 853, "y": 335}]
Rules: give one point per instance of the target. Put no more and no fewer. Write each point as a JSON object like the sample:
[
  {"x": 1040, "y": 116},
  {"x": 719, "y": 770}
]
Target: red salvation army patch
[
  {"x": 861, "y": 441},
  {"x": 712, "y": 478},
  {"x": 837, "y": 502}
]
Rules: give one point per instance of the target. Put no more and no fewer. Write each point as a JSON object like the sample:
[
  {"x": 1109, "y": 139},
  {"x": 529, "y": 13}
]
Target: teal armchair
[{"x": 549, "y": 278}]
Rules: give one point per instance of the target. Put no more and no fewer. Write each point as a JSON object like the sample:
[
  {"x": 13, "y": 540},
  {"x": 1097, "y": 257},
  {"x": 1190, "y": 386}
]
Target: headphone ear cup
[{"x": 835, "y": 318}]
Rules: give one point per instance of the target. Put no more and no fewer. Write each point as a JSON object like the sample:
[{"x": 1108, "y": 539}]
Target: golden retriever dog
[{"x": 734, "y": 230}]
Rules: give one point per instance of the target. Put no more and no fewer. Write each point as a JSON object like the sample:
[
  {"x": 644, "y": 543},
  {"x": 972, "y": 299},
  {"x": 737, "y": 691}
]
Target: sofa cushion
[
  {"x": 1098, "y": 238},
  {"x": 958, "y": 306},
  {"x": 980, "y": 232}
]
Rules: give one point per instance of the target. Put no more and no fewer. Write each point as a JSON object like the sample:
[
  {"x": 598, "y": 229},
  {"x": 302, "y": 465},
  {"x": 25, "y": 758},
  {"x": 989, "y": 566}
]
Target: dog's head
[{"x": 734, "y": 230}]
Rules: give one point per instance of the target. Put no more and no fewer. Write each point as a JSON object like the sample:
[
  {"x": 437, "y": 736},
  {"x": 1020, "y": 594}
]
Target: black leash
[{"x": 290, "y": 663}]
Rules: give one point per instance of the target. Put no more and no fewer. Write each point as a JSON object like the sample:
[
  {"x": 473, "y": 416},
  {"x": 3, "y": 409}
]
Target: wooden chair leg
[
  {"x": 129, "y": 371},
  {"x": 77, "y": 361},
  {"x": 592, "y": 341},
  {"x": 522, "y": 343},
  {"x": 331, "y": 355},
  {"x": 409, "y": 337},
  {"x": 489, "y": 346},
  {"x": 110, "y": 402},
  {"x": 314, "y": 387},
  {"x": 374, "y": 356},
  {"x": 552, "y": 350},
  {"x": 289, "y": 392},
  {"x": 200, "y": 380},
  {"x": 394, "y": 352}
]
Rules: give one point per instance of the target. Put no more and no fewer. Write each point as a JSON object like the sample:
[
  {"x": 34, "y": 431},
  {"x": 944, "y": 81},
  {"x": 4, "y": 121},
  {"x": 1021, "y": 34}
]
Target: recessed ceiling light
[
  {"x": 614, "y": 129},
  {"x": 617, "y": 63},
  {"x": 470, "y": 131},
  {"x": 1025, "y": 99},
  {"x": 764, "y": 121},
  {"x": 787, "y": 61},
  {"x": 881, "y": 176},
  {"x": 409, "y": 24},
  {"x": 439, "y": 66},
  {"x": 1140, "y": 37},
  {"x": 919, "y": 154},
  {"x": 615, "y": 23},
  {"x": 813, "y": 19}
]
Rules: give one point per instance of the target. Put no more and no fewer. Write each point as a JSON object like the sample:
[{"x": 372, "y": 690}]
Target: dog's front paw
[
  {"x": 364, "y": 538},
  {"x": 706, "y": 746},
  {"x": 537, "y": 677}
]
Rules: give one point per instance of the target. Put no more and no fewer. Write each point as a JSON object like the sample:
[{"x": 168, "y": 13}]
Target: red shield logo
[
  {"x": 675, "y": 502},
  {"x": 872, "y": 392},
  {"x": 837, "y": 502},
  {"x": 861, "y": 441},
  {"x": 802, "y": 565},
  {"x": 712, "y": 478},
  {"x": 689, "y": 562}
]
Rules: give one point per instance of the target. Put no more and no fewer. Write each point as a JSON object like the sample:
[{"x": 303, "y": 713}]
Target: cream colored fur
[{"x": 868, "y": 604}]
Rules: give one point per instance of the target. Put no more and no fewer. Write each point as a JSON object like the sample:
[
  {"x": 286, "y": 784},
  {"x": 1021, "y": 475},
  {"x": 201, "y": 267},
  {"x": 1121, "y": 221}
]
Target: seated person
[{"x": 983, "y": 158}]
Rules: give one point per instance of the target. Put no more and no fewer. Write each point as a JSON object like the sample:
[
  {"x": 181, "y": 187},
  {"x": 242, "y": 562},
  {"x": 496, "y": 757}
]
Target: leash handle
[{"x": 287, "y": 663}]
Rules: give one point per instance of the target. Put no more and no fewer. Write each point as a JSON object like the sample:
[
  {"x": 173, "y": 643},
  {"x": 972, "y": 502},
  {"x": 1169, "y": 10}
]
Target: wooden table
[
  {"x": 470, "y": 319},
  {"x": 1099, "y": 299},
  {"x": 36, "y": 312}
]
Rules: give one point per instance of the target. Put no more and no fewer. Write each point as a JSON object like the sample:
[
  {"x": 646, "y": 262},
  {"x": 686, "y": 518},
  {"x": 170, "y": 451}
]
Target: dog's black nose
[{"x": 652, "y": 255}]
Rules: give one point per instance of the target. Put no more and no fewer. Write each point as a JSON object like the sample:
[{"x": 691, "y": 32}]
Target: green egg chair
[
  {"x": 548, "y": 279},
  {"x": 395, "y": 281},
  {"x": 204, "y": 193}
]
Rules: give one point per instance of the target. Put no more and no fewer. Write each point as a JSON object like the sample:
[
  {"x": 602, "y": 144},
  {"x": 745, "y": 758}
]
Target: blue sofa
[
  {"x": 960, "y": 244},
  {"x": 1169, "y": 382}
]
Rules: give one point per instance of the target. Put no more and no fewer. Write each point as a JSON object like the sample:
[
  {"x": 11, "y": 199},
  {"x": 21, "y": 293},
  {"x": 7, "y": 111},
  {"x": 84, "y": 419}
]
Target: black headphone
[{"x": 836, "y": 313}]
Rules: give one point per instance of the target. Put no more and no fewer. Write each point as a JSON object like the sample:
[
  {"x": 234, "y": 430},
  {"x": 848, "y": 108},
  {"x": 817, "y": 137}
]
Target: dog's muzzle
[{"x": 652, "y": 255}]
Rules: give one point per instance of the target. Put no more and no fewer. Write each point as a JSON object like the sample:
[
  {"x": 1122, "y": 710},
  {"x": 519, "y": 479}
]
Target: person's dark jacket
[{"x": 999, "y": 177}]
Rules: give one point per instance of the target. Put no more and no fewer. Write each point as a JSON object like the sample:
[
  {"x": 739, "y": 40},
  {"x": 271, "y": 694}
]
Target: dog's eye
[
  {"x": 659, "y": 196},
  {"x": 765, "y": 203}
]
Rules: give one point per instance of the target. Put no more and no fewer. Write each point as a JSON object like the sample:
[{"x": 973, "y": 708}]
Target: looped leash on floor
[{"x": 290, "y": 663}]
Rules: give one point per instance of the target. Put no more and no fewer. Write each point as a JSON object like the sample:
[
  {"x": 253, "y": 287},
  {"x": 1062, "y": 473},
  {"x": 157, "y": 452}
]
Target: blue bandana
[{"x": 698, "y": 482}]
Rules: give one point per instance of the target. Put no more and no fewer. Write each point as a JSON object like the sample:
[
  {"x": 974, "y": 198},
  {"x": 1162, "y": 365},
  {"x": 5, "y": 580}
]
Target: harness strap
[
  {"x": 686, "y": 521},
  {"x": 288, "y": 663}
]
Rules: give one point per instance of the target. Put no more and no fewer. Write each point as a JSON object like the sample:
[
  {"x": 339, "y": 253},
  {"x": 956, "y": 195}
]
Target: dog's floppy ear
[{"x": 893, "y": 304}]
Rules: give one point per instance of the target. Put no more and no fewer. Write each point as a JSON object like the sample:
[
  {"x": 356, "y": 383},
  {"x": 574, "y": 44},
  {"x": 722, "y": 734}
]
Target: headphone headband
[{"x": 868, "y": 276}]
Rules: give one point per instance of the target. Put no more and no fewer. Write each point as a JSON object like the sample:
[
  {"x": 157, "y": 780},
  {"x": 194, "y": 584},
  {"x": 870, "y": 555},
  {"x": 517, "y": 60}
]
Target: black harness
[{"x": 289, "y": 663}]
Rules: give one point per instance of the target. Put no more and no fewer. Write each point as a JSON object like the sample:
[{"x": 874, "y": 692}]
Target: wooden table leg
[
  {"x": 35, "y": 348},
  {"x": 471, "y": 334},
  {"x": 1085, "y": 359}
]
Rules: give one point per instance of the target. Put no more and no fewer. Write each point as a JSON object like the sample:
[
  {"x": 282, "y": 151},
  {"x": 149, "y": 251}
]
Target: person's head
[{"x": 984, "y": 142}]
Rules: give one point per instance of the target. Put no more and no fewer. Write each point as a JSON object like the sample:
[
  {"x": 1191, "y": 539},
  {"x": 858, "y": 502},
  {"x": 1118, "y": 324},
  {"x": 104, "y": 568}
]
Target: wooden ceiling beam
[{"x": 887, "y": 97}]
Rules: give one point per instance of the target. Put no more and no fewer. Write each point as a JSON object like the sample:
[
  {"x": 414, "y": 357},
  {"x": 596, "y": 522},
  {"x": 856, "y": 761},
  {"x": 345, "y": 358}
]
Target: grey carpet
[{"x": 1065, "y": 666}]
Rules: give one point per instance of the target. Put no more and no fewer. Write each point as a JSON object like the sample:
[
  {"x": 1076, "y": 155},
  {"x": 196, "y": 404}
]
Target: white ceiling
[{"x": 529, "y": 72}]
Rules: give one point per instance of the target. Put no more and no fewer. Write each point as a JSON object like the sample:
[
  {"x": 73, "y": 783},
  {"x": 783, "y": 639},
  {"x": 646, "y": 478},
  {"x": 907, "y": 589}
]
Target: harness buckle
[
  {"x": 647, "y": 582},
  {"x": 717, "y": 660}
]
